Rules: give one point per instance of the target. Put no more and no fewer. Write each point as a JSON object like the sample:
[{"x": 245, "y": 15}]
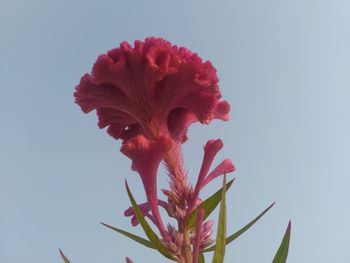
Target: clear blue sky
[{"x": 283, "y": 65}]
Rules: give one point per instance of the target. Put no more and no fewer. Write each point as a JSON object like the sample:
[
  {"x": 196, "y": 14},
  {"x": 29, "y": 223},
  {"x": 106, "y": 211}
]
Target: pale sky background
[{"x": 284, "y": 66}]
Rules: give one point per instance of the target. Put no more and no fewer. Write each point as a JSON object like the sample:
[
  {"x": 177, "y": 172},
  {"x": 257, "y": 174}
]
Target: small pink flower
[
  {"x": 145, "y": 209},
  {"x": 175, "y": 243},
  {"x": 207, "y": 231},
  {"x": 152, "y": 88},
  {"x": 211, "y": 148},
  {"x": 148, "y": 95}
]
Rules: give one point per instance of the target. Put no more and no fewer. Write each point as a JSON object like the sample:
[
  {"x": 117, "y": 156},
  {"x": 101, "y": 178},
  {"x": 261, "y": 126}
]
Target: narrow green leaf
[
  {"x": 219, "y": 252},
  {"x": 209, "y": 206},
  {"x": 201, "y": 258},
  {"x": 65, "y": 259},
  {"x": 242, "y": 230},
  {"x": 138, "y": 239},
  {"x": 157, "y": 243},
  {"x": 282, "y": 253}
]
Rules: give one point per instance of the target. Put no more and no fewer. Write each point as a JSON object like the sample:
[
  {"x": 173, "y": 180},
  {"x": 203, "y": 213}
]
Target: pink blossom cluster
[{"x": 148, "y": 95}]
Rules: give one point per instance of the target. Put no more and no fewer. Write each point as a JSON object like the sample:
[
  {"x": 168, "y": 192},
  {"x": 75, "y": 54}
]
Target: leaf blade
[
  {"x": 282, "y": 252},
  {"x": 136, "y": 238},
  {"x": 219, "y": 252},
  {"x": 242, "y": 230},
  {"x": 65, "y": 259},
  {"x": 209, "y": 206},
  {"x": 146, "y": 227}
]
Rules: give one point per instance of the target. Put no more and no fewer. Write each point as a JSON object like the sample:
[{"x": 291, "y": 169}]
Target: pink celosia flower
[
  {"x": 148, "y": 95},
  {"x": 152, "y": 88}
]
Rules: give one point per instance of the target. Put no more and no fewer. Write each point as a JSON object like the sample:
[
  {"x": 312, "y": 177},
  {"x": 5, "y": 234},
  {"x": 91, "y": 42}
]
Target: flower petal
[
  {"x": 145, "y": 209},
  {"x": 222, "y": 111},
  {"x": 210, "y": 150},
  {"x": 226, "y": 166}
]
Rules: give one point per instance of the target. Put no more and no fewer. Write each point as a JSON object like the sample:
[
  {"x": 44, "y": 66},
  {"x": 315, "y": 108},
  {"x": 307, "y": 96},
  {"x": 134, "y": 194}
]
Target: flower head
[
  {"x": 148, "y": 95},
  {"x": 153, "y": 88}
]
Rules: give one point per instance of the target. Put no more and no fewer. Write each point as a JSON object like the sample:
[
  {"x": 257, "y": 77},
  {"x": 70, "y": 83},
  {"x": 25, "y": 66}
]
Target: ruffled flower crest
[{"x": 153, "y": 88}]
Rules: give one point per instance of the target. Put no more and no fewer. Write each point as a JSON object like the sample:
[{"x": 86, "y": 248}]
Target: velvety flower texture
[
  {"x": 153, "y": 88},
  {"x": 148, "y": 95}
]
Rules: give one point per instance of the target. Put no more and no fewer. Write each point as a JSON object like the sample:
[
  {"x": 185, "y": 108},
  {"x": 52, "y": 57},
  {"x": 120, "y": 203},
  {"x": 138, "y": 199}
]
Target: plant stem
[{"x": 187, "y": 247}]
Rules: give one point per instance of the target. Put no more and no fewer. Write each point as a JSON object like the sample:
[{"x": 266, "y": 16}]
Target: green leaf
[
  {"x": 138, "y": 239},
  {"x": 65, "y": 259},
  {"x": 282, "y": 253},
  {"x": 209, "y": 205},
  {"x": 219, "y": 252},
  {"x": 157, "y": 243},
  {"x": 201, "y": 258},
  {"x": 242, "y": 230}
]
